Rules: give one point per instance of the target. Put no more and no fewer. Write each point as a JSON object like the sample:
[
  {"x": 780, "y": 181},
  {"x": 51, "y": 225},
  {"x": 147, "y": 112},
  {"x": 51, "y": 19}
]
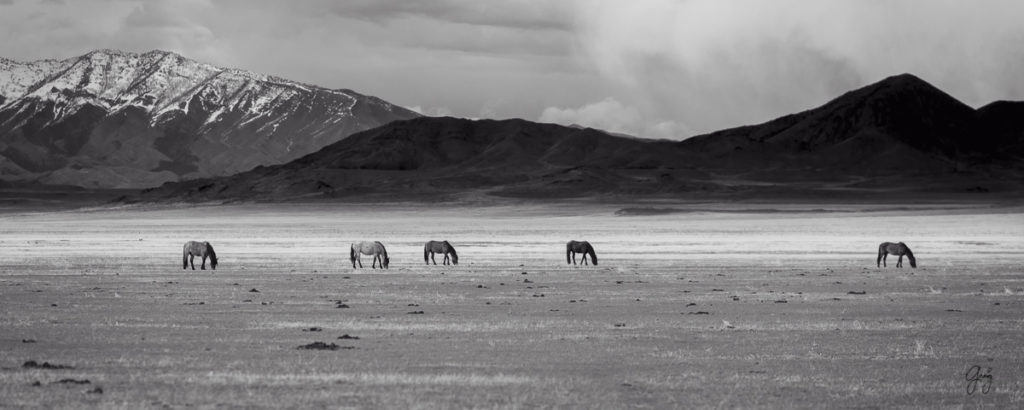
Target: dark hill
[
  {"x": 900, "y": 134},
  {"x": 428, "y": 155},
  {"x": 899, "y": 123},
  {"x": 1001, "y": 125}
]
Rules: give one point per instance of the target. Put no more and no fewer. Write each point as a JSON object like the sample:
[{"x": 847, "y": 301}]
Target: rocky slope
[{"x": 118, "y": 119}]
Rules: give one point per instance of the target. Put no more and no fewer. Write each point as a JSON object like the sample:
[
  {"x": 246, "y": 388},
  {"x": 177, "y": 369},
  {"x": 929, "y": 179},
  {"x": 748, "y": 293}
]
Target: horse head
[
  {"x": 455, "y": 256},
  {"x": 910, "y": 255},
  {"x": 386, "y": 262},
  {"x": 213, "y": 256}
]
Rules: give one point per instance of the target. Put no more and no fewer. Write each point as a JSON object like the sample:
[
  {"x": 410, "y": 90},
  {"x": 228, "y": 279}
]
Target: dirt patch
[
  {"x": 32, "y": 364},
  {"x": 324, "y": 346},
  {"x": 72, "y": 381}
]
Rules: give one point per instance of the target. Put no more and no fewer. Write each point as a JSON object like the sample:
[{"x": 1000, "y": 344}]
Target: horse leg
[
  {"x": 899, "y": 262},
  {"x": 574, "y": 259},
  {"x": 360, "y": 260},
  {"x": 584, "y": 261},
  {"x": 202, "y": 264},
  {"x": 192, "y": 261},
  {"x": 432, "y": 258},
  {"x": 885, "y": 257},
  {"x": 374, "y": 264},
  {"x": 446, "y": 260}
]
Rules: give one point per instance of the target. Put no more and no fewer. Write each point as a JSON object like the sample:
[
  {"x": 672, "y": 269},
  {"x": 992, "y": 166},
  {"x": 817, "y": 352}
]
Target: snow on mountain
[{"x": 118, "y": 119}]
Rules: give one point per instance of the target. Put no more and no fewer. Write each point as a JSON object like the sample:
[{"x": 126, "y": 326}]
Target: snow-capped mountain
[{"x": 117, "y": 119}]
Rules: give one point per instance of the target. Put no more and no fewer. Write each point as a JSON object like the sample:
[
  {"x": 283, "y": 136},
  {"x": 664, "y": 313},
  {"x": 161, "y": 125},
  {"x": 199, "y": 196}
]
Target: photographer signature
[{"x": 976, "y": 376}]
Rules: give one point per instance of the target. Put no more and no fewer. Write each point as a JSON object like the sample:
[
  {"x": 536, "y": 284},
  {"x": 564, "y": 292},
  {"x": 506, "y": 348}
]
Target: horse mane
[
  {"x": 209, "y": 250},
  {"x": 451, "y": 248},
  {"x": 593, "y": 255},
  {"x": 382, "y": 248}
]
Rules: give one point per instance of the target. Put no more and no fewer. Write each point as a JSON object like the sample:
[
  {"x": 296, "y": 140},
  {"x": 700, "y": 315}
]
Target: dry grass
[{"x": 627, "y": 333}]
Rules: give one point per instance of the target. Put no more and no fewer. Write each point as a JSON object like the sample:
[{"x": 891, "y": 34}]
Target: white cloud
[
  {"x": 611, "y": 115},
  {"x": 725, "y": 63},
  {"x": 676, "y": 67},
  {"x": 431, "y": 111}
]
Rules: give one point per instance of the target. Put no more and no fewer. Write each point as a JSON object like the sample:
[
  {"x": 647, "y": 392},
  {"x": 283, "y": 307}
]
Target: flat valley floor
[{"x": 719, "y": 306}]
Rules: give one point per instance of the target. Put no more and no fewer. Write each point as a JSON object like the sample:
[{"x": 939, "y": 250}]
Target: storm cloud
[{"x": 656, "y": 68}]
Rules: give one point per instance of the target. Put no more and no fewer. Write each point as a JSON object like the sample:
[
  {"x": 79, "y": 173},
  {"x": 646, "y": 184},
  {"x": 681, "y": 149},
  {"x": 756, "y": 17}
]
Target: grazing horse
[
  {"x": 442, "y": 247},
  {"x": 369, "y": 248},
  {"x": 201, "y": 249},
  {"x": 583, "y": 247},
  {"x": 898, "y": 249}
]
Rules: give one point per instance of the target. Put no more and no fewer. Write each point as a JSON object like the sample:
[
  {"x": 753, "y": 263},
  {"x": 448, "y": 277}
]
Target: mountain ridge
[
  {"x": 119, "y": 119},
  {"x": 900, "y": 134}
]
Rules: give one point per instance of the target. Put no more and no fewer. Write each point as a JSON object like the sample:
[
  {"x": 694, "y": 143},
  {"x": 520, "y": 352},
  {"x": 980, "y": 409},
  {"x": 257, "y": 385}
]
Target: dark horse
[
  {"x": 898, "y": 249},
  {"x": 200, "y": 249},
  {"x": 442, "y": 247},
  {"x": 583, "y": 247},
  {"x": 369, "y": 248}
]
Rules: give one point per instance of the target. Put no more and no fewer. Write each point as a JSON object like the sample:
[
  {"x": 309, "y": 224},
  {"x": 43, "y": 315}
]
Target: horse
[
  {"x": 899, "y": 249},
  {"x": 572, "y": 247},
  {"x": 201, "y": 249},
  {"x": 442, "y": 247},
  {"x": 369, "y": 248}
]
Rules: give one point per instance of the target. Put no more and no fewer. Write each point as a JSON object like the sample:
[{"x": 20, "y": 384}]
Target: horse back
[
  {"x": 195, "y": 248},
  {"x": 578, "y": 246}
]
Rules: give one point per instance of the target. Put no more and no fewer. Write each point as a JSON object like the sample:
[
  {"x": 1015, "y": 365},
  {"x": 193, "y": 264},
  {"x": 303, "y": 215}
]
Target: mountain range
[
  {"x": 900, "y": 134},
  {"x": 113, "y": 119}
]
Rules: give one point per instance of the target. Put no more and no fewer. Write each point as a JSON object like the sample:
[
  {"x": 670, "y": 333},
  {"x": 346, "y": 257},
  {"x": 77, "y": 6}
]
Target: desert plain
[{"x": 710, "y": 306}]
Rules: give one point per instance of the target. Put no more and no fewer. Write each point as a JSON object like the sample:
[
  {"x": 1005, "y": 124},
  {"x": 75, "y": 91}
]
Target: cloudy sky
[{"x": 655, "y": 68}]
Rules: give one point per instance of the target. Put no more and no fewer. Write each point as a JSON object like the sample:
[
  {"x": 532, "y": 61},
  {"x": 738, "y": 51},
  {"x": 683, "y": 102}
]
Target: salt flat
[{"x": 760, "y": 306}]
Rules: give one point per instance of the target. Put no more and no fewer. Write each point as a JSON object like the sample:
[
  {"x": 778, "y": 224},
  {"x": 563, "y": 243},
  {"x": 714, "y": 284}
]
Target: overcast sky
[{"x": 655, "y": 68}]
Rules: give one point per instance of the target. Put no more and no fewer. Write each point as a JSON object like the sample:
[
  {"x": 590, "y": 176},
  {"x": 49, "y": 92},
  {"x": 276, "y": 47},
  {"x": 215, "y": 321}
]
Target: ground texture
[{"x": 719, "y": 306}]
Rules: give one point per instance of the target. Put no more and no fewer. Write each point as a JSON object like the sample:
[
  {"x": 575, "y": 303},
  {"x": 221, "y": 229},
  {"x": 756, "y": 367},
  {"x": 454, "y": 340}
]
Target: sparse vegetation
[{"x": 687, "y": 316}]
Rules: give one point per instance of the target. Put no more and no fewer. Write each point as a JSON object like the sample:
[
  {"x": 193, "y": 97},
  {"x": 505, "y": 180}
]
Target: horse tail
[
  {"x": 568, "y": 250},
  {"x": 426, "y": 253},
  {"x": 184, "y": 256},
  {"x": 352, "y": 253},
  {"x": 881, "y": 253}
]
